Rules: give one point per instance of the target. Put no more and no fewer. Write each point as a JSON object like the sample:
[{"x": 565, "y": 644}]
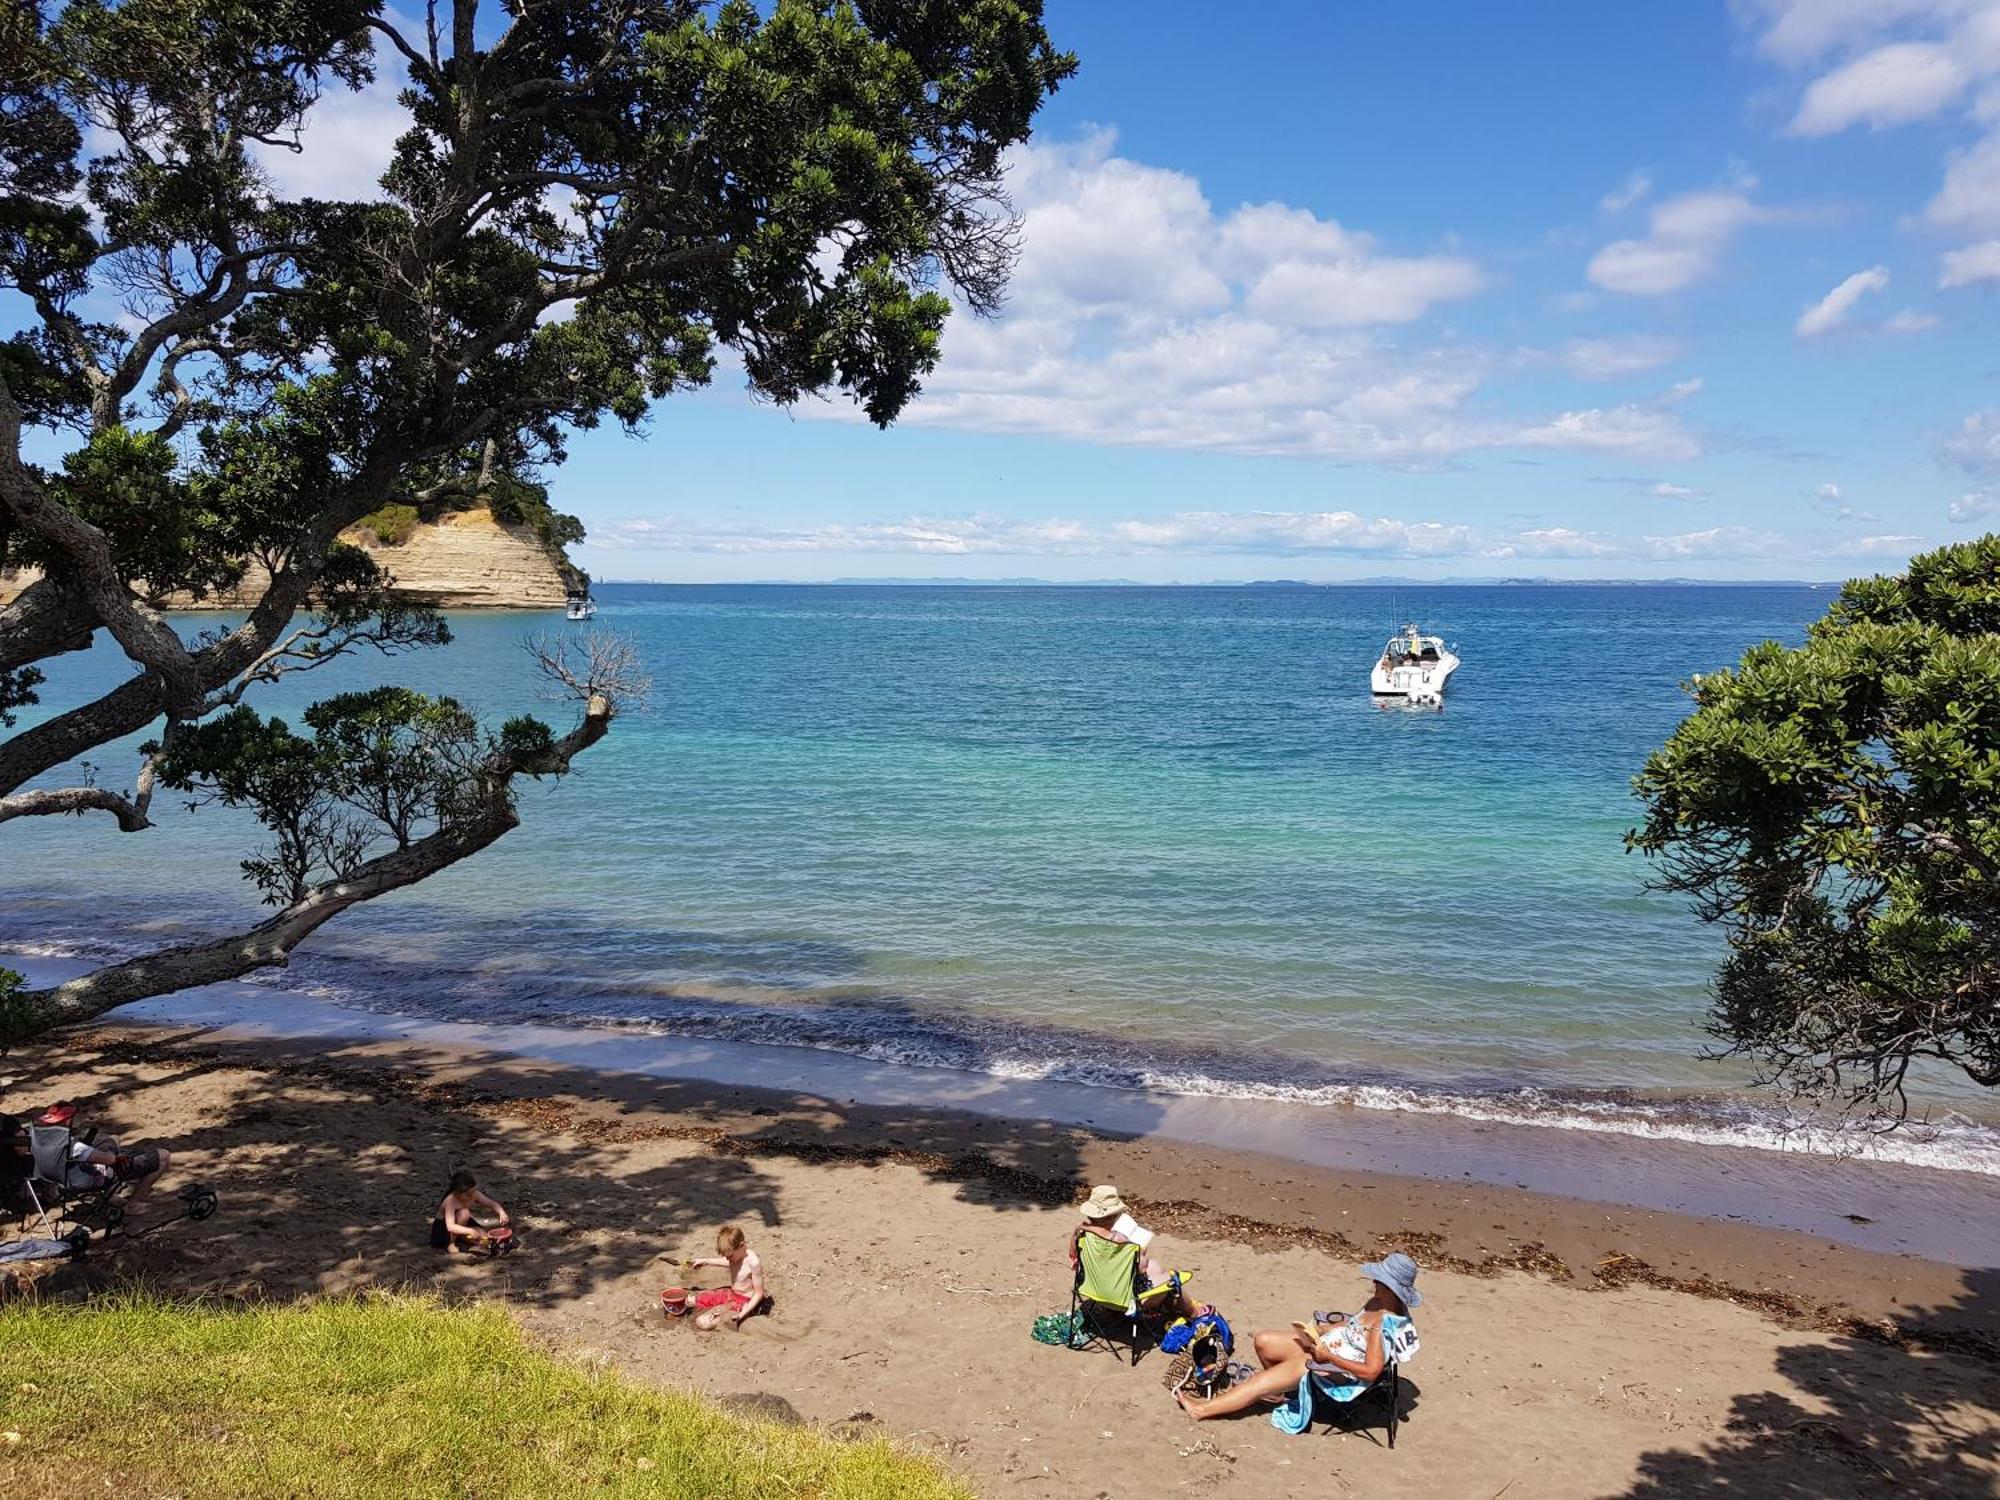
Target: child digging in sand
[
  {"x": 742, "y": 1297},
  {"x": 459, "y": 1226}
]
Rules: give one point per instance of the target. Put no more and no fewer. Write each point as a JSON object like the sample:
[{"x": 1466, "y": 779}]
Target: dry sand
[{"x": 910, "y": 1251}]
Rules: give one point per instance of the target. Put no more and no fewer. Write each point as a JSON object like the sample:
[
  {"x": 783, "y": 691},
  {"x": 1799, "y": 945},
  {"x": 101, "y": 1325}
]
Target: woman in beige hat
[{"x": 1105, "y": 1214}]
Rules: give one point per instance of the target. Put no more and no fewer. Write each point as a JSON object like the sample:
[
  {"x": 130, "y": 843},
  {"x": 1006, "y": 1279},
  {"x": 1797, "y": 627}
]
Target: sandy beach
[{"x": 1570, "y": 1348}]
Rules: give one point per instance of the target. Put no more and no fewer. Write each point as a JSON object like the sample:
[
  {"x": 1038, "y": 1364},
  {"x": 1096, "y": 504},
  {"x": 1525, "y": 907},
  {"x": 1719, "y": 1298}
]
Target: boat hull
[{"x": 1416, "y": 681}]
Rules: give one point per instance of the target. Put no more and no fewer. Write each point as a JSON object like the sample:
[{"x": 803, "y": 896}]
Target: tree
[
  {"x": 1835, "y": 808},
  {"x": 591, "y": 199}
]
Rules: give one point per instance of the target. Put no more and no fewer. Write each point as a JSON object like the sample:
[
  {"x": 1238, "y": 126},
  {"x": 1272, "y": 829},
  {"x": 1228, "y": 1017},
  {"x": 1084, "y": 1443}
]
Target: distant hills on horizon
[{"x": 1378, "y": 581}]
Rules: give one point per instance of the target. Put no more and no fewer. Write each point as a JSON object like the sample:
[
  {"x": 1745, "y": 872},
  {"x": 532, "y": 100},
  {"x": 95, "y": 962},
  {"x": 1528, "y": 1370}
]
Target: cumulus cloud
[
  {"x": 1970, "y": 196},
  {"x": 1665, "y": 490},
  {"x": 1142, "y": 315},
  {"x": 1685, "y": 240},
  {"x": 1974, "y": 507},
  {"x": 1884, "y": 63},
  {"x": 1831, "y": 310},
  {"x": 1892, "y": 85},
  {"x": 1971, "y": 265},
  {"x": 1975, "y": 446}
]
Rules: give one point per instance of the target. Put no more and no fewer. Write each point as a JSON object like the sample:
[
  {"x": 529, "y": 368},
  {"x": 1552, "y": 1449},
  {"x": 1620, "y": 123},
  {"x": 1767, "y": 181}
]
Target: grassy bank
[{"x": 388, "y": 1397}]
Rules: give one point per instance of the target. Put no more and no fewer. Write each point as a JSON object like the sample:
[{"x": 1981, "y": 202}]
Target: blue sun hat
[{"x": 1399, "y": 1274}]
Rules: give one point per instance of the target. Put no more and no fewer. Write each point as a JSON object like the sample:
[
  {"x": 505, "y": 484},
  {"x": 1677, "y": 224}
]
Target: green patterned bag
[{"x": 1055, "y": 1328}]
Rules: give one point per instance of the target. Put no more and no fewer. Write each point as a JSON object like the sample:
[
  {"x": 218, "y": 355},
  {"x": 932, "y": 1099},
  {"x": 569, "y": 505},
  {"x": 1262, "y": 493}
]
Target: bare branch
[{"x": 54, "y": 801}]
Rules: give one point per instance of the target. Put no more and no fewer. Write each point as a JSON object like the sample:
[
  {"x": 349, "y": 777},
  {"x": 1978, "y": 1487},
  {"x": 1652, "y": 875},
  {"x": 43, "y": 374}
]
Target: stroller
[{"x": 45, "y": 1165}]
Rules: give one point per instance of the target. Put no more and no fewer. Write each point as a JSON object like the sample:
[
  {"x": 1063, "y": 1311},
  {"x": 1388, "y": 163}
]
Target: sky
[{"x": 1330, "y": 291}]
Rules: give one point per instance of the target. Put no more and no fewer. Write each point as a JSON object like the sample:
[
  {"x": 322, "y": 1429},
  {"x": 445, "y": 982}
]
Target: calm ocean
[{"x": 1134, "y": 837}]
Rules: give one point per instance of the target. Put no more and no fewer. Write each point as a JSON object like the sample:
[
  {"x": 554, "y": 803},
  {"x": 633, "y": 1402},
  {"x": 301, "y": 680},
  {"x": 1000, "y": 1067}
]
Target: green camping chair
[{"x": 1108, "y": 1300}]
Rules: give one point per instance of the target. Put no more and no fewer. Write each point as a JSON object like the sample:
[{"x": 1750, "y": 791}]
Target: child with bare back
[
  {"x": 468, "y": 1219},
  {"x": 737, "y": 1301}
]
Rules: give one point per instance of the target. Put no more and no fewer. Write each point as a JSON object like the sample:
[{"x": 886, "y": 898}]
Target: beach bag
[
  {"x": 1055, "y": 1328},
  {"x": 1208, "y": 1341}
]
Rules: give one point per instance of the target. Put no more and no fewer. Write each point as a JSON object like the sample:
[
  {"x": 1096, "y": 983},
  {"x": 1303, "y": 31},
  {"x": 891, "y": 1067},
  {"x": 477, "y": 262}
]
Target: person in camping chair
[
  {"x": 1345, "y": 1353},
  {"x": 1105, "y": 1214},
  {"x": 94, "y": 1163}
]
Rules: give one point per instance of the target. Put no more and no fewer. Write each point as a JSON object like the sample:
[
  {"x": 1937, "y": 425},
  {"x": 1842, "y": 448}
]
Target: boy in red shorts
[{"x": 745, "y": 1292}]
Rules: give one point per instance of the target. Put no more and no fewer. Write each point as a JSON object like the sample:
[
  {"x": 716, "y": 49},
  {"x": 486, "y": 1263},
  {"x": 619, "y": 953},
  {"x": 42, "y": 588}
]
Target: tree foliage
[
  {"x": 591, "y": 201},
  {"x": 1835, "y": 808}
]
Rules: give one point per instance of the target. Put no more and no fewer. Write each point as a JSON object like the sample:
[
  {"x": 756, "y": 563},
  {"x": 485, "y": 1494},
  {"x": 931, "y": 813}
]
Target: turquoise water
[{"x": 1140, "y": 837}]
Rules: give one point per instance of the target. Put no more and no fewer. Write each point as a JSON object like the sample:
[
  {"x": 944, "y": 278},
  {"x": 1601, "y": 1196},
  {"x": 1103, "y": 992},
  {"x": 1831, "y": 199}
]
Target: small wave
[{"x": 899, "y": 1034}]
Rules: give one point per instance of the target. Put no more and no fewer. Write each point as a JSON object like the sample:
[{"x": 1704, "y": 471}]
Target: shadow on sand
[
  {"x": 1872, "y": 1423},
  {"x": 330, "y": 1169}
]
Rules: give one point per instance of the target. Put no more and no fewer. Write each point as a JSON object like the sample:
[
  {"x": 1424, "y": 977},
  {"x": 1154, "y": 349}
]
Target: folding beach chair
[
  {"x": 1339, "y": 1410},
  {"x": 54, "y": 1188},
  {"x": 1109, "y": 1300},
  {"x": 1331, "y": 1393}
]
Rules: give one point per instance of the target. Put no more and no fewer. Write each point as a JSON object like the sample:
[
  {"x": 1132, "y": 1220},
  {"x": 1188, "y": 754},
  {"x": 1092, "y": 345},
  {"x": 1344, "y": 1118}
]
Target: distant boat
[
  {"x": 581, "y": 606},
  {"x": 1414, "y": 667}
]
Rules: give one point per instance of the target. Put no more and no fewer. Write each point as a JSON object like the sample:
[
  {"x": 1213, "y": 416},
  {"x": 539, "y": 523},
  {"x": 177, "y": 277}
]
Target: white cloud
[
  {"x": 1732, "y": 542},
  {"x": 1831, "y": 310},
  {"x": 1354, "y": 292},
  {"x": 1974, "y": 507},
  {"x": 1618, "y": 358},
  {"x": 1970, "y": 196},
  {"x": 1798, "y": 32},
  {"x": 1270, "y": 533},
  {"x": 1971, "y": 265},
  {"x": 1892, "y": 85},
  {"x": 1664, "y": 490},
  {"x": 1828, "y": 501},
  {"x": 1635, "y": 187},
  {"x": 1141, "y": 316},
  {"x": 1685, "y": 241},
  {"x": 1909, "y": 320},
  {"x": 348, "y": 139},
  {"x": 1335, "y": 533},
  {"x": 1897, "y": 61},
  {"x": 1975, "y": 447}
]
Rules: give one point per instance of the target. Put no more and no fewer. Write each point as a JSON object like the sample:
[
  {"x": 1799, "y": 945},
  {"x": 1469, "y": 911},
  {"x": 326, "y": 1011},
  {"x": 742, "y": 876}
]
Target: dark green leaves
[
  {"x": 1836, "y": 809},
  {"x": 380, "y": 768}
]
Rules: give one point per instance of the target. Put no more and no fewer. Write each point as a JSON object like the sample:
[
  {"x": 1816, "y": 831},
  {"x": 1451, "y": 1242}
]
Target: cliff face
[{"x": 464, "y": 561}]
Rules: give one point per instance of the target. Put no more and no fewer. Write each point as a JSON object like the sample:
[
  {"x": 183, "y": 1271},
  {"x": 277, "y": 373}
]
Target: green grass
[{"x": 382, "y": 1396}]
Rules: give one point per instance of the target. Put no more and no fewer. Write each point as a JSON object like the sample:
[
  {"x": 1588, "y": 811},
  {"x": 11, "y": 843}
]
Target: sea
[{"x": 1141, "y": 839}]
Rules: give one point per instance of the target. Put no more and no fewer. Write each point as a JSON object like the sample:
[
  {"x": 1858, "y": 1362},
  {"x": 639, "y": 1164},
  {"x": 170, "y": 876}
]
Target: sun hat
[
  {"x": 1398, "y": 1273},
  {"x": 1103, "y": 1203}
]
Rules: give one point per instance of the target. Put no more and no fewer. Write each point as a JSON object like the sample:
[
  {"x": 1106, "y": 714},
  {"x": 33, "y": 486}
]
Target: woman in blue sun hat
[{"x": 1341, "y": 1354}]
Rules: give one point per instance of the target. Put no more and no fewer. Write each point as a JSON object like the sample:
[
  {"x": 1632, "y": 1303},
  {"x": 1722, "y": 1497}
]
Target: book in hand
[{"x": 1126, "y": 1225}]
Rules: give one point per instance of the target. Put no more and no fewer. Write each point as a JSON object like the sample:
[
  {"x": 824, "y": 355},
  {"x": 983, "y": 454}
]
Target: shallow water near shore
[
  {"x": 1946, "y": 1216},
  {"x": 1143, "y": 841}
]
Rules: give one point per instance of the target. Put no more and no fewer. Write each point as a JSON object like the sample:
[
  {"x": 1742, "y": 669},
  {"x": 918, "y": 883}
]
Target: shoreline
[
  {"x": 910, "y": 1246},
  {"x": 1884, "y": 1208}
]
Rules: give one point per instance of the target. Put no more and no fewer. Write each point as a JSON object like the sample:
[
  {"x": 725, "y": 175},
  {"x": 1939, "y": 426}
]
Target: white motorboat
[
  {"x": 1414, "y": 667},
  {"x": 581, "y": 606}
]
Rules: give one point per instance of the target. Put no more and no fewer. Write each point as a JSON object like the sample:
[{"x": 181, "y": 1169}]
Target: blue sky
[
  {"x": 1434, "y": 289},
  {"x": 1431, "y": 289}
]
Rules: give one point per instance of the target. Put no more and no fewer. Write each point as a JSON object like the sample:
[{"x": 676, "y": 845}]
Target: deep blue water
[{"x": 1133, "y": 836}]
